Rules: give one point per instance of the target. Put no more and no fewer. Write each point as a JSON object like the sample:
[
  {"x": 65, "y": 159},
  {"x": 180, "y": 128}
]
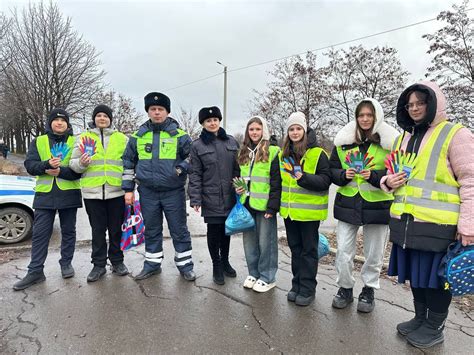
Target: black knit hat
[
  {"x": 208, "y": 112},
  {"x": 58, "y": 113},
  {"x": 104, "y": 109},
  {"x": 157, "y": 99}
]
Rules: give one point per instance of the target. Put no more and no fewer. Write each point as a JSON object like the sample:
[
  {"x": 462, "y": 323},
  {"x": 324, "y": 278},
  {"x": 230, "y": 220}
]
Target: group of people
[{"x": 422, "y": 210}]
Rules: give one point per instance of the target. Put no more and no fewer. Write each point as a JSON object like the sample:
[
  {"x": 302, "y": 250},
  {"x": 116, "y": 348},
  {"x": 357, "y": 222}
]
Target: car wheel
[{"x": 16, "y": 225}]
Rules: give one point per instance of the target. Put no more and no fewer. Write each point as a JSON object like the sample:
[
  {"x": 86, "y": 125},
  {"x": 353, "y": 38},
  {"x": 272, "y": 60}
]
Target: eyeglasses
[{"x": 415, "y": 104}]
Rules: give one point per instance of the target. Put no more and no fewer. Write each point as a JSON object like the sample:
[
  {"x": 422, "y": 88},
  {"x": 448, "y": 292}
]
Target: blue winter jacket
[{"x": 156, "y": 173}]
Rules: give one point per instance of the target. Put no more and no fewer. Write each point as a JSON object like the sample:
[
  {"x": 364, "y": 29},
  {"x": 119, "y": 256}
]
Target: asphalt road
[{"x": 166, "y": 314}]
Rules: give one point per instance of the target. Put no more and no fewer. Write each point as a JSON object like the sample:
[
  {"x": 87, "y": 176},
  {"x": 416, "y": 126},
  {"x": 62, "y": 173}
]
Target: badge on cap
[
  {"x": 210, "y": 111},
  {"x": 156, "y": 97}
]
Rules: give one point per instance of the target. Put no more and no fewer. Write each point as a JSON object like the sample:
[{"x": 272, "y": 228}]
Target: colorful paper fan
[
  {"x": 88, "y": 146},
  {"x": 60, "y": 150},
  {"x": 289, "y": 166},
  {"x": 399, "y": 161},
  {"x": 359, "y": 161}
]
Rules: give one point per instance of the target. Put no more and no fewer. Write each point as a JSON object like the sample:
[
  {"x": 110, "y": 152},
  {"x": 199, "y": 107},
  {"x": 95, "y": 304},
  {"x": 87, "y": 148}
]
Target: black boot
[
  {"x": 343, "y": 298},
  {"x": 96, "y": 273},
  {"x": 30, "y": 279},
  {"x": 213, "y": 242},
  {"x": 413, "y": 324},
  {"x": 229, "y": 271},
  {"x": 366, "y": 302},
  {"x": 218, "y": 273},
  {"x": 430, "y": 332}
]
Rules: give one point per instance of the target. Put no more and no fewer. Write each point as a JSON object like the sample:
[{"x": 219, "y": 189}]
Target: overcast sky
[{"x": 159, "y": 45}]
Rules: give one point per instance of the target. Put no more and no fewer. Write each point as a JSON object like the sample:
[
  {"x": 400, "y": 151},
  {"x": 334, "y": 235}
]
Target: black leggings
[
  {"x": 436, "y": 300},
  {"x": 218, "y": 243}
]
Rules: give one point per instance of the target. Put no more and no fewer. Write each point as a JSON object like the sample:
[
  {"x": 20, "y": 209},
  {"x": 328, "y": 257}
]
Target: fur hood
[{"x": 347, "y": 135}]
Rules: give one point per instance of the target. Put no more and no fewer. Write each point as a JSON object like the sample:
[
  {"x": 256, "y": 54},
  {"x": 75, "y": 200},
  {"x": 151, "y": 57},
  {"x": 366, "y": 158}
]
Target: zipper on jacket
[{"x": 406, "y": 229}]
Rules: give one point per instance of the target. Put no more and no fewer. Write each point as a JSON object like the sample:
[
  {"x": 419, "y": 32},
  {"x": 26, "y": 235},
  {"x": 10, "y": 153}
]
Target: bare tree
[
  {"x": 126, "y": 118},
  {"x": 4, "y": 27},
  {"x": 358, "y": 73},
  {"x": 298, "y": 85},
  {"x": 189, "y": 122},
  {"x": 452, "y": 48},
  {"x": 239, "y": 137},
  {"x": 51, "y": 66}
]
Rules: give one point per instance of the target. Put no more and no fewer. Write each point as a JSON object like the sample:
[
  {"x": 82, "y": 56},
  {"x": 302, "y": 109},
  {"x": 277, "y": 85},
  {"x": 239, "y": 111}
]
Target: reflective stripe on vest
[
  {"x": 106, "y": 166},
  {"x": 44, "y": 183},
  {"x": 298, "y": 203},
  {"x": 259, "y": 180},
  {"x": 358, "y": 184},
  {"x": 167, "y": 145},
  {"x": 432, "y": 193}
]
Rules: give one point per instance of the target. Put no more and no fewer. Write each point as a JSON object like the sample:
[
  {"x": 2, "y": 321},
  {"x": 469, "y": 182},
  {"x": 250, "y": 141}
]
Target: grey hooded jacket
[{"x": 106, "y": 191}]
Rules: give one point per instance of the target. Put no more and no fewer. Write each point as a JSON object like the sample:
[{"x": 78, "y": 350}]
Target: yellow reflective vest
[
  {"x": 44, "y": 183},
  {"x": 432, "y": 192},
  {"x": 168, "y": 145},
  {"x": 259, "y": 179},
  {"x": 298, "y": 203},
  {"x": 358, "y": 184},
  {"x": 106, "y": 165}
]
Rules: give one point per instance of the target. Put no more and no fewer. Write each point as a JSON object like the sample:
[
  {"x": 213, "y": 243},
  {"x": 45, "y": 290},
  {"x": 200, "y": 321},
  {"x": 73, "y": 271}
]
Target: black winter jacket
[
  {"x": 355, "y": 210},
  {"x": 321, "y": 179},
  {"x": 56, "y": 199},
  {"x": 213, "y": 166}
]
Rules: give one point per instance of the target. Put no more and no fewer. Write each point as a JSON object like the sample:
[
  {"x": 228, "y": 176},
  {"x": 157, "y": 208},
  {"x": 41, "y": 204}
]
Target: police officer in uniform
[{"x": 157, "y": 158}]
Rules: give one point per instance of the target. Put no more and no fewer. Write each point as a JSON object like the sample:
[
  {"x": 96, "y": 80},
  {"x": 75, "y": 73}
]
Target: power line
[
  {"x": 332, "y": 45},
  {"x": 313, "y": 50},
  {"x": 194, "y": 82}
]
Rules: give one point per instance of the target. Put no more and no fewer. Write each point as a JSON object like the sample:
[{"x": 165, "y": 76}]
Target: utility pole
[{"x": 224, "y": 116}]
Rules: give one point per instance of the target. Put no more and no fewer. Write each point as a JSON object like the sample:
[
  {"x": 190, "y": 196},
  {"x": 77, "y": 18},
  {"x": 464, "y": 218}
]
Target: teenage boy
[{"x": 57, "y": 190}]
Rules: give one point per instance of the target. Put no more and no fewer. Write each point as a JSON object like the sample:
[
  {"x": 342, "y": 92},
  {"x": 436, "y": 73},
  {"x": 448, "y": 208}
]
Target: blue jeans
[{"x": 261, "y": 248}]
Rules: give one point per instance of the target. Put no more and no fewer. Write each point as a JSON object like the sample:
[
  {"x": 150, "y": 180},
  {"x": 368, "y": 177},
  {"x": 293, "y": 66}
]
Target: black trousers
[
  {"x": 106, "y": 215},
  {"x": 303, "y": 239},
  {"x": 42, "y": 230},
  {"x": 218, "y": 243},
  {"x": 436, "y": 300}
]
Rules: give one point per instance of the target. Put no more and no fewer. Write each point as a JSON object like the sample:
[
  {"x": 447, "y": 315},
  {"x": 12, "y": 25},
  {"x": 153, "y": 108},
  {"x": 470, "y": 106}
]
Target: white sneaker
[
  {"x": 249, "y": 282},
  {"x": 262, "y": 286}
]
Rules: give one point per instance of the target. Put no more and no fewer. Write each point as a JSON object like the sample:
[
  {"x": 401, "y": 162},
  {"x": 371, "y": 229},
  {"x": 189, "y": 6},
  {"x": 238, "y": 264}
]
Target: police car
[{"x": 16, "y": 211}]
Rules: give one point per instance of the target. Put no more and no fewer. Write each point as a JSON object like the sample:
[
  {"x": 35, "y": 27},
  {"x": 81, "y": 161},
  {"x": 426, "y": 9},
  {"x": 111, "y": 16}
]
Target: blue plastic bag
[
  {"x": 239, "y": 219},
  {"x": 323, "y": 246},
  {"x": 457, "y": 269}
]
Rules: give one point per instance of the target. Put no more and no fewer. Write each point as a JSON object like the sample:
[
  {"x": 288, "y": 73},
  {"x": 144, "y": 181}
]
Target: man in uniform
[{"x": 157, "y": 158}]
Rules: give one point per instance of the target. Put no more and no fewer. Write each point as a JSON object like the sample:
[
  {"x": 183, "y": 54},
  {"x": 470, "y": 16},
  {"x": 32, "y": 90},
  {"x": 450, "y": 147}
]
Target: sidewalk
[{"x": 165, "y": 314}]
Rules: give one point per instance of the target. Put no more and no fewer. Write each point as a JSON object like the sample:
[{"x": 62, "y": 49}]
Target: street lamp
[{"x": 224, "y": 117}]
